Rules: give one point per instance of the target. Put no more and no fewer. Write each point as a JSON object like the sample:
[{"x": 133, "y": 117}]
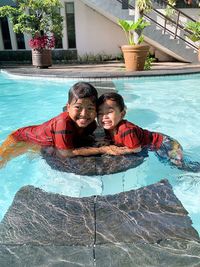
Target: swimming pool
[{"x": 169, "y": 105}]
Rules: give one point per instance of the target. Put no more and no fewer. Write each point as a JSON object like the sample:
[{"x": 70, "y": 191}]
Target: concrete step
[{"x": 176, "y": 48}]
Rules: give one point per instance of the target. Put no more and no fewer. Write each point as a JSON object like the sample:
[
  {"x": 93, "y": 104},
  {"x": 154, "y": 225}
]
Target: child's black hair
[
  {"x": 114, "y": 97},
  {"x": 82, "y": 90}
]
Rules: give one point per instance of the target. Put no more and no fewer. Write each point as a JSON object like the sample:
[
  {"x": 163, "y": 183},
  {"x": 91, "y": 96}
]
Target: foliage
[
  {"x": 144, "y": 5},
  {"x": 97, "y": 58},
  {"x": 35, "y": 17},
  {"x": 194, "y": 28},
  {"x": 170, "y": 11},
  {"x": 130, "y": 27},
  {"x": 148, "y": 62}
]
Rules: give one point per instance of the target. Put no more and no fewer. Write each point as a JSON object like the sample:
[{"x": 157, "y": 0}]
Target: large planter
[
  {"x": 135, "y": 56},
  {"x": 41, "y": 58}
]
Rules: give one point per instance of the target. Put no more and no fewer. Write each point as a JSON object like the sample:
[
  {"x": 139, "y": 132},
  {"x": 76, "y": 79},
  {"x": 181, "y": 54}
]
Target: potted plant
[
  {"x": 194, "y": 28},
  {"x": 41, "y": 50},
  {"x": 135, "y": 52},
  {"x": 40, "y": 19}
]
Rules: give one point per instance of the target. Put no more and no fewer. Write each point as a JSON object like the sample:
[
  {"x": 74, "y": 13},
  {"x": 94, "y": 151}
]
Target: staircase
[
  {"x": 169, "y": 34},
  {"x": 109, "y": 8},
  {"x": 165, "y": 34}
]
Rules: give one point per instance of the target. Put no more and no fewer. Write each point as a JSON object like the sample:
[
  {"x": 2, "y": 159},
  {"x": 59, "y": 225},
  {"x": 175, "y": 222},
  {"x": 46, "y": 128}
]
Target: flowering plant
[
  {"x": 42, "y": 42},
  {"x": 38, "y": 18}
]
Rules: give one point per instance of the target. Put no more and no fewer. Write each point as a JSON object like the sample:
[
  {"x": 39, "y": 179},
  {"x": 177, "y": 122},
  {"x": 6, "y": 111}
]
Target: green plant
[
  {"x": 130, "y": 27},
  {"x": 170, "y": 11},
  {"x": 148, "y": 62},
  {"x": 144, "y": 5},
  {"x": 35, "y": 17},
  {"x": 95, "y": 58},
  {"x": 194, "y": 28}
]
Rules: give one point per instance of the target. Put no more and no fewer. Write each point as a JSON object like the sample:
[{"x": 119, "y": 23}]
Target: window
[
  {"x": 71, "y": 36},
  {"x": 58, "y": 42},
  {"x": 20, "y": 41},
  {"x": 5, "y": 33}
]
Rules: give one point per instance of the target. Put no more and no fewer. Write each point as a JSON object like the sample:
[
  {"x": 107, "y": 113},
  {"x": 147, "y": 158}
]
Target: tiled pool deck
[{"x": 105, "y": 71}]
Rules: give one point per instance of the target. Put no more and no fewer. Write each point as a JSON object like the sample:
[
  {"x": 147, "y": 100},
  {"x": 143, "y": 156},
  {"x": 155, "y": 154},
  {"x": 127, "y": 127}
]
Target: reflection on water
[{"x": 149, "y": 116}]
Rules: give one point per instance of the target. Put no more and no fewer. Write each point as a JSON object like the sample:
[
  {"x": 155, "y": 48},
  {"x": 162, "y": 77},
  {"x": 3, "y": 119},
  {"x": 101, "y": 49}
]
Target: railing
[{"x": 176, "y": 27}]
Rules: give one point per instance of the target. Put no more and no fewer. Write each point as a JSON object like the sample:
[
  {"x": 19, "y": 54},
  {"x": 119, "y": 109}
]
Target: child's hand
[
  {"x": 176, "y": 156},
  {"x": 115, "y": 150}
]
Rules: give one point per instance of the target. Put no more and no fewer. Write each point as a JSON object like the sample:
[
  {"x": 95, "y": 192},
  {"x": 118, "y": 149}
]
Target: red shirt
[
  {"x": 132, "y": 136},
  {"x": 59, "y": 132}
]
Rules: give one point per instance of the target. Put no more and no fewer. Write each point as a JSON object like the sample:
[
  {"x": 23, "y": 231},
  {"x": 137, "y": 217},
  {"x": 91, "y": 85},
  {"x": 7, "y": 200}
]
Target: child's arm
[
  {"x": 115, "y": 150},
  {"x": 88, "y": 151},
  {"x": 78, "y": 152}
]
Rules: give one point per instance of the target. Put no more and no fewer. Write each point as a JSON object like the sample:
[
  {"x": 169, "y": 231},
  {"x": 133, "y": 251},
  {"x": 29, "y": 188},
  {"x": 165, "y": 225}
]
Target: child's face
[
  {"x": 109, "y": 115},
  {"x": 82, "y": 111}
]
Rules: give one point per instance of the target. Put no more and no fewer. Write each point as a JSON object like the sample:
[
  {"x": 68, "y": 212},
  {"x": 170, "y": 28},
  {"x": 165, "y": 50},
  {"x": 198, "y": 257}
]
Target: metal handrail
[
  {"x": 177, "y": 10},
  {"x": 176, "y": 23},
  {"x": 172, "y": 33}
]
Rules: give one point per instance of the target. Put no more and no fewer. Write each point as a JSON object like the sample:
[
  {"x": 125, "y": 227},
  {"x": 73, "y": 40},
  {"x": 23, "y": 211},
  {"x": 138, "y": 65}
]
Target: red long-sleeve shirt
[{"x": 59, "y": 132}]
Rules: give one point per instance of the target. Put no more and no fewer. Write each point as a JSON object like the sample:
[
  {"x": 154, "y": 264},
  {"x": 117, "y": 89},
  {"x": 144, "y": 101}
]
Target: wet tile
[
  {"x": 38, "y": 217},
  {"x": 145, "y": 215}
]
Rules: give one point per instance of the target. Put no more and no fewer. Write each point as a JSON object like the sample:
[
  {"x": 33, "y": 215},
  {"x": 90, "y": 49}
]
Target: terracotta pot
[
  {"x": 135, "y": 56},
  {"x": 41, "y": 58}
]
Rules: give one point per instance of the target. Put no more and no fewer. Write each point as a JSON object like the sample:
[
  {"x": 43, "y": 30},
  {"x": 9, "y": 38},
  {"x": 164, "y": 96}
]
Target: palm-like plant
[
  {"x": 141, "y": 6},
  {"x": 134, "y": 53},
  {"x": 131, "y": 28}
]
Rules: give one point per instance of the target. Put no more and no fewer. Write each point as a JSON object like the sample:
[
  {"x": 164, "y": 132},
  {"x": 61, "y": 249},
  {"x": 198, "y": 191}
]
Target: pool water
[{"x": 165, "y": 104}]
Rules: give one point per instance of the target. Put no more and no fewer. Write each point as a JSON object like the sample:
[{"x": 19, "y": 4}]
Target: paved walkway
[{"x": 105, "y": 71}]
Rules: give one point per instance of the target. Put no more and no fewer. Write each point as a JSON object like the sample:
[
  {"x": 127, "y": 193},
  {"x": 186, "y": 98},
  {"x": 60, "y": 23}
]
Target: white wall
[{"x": 95, "y": 33}]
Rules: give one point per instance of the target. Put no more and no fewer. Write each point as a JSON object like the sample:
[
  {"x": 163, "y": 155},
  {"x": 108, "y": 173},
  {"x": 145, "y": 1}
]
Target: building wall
[{"x": 95, "y": 33}]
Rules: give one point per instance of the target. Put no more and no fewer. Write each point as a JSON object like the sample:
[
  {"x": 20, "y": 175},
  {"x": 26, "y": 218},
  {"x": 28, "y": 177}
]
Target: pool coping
[{"x": 101, "y": 72}]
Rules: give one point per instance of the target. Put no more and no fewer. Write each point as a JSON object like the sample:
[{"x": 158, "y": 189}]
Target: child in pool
[
  {"x": 60, "y": 135},
  {"x": 111, "y": 111}
]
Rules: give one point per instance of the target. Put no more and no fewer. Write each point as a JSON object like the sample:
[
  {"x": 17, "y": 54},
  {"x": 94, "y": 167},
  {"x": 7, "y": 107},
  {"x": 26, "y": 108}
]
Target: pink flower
[{"x": 42, "y": 42}]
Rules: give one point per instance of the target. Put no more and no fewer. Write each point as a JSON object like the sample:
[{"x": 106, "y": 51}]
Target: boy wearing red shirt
[
  {"x": 111, "y": 111},
  {"x": 61, "y": 134}
]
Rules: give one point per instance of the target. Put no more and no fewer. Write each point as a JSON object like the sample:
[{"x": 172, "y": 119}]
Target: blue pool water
[{"x": 165, "y": 104}]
